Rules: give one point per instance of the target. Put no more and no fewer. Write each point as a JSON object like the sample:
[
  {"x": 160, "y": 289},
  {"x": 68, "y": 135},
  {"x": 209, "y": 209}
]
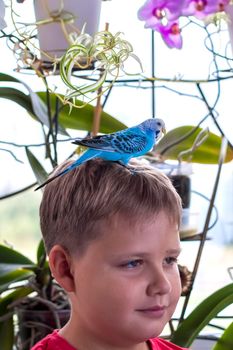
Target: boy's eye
[
  {"x": 132, "y": 264},
  {"x": 171, "y": 260}
]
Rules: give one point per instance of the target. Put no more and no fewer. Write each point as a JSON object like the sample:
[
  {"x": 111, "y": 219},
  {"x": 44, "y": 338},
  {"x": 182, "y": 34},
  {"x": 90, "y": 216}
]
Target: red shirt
[{"x": 54, "y": 341}]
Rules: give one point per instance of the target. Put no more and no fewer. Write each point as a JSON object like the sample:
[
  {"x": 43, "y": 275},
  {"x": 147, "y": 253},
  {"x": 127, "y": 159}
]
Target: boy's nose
[{"x": 159, "y": 284}]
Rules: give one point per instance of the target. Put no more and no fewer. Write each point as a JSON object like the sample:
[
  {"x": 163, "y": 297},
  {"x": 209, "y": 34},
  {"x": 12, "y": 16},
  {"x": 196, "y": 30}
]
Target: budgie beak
[{"x": 164, "y": 131}]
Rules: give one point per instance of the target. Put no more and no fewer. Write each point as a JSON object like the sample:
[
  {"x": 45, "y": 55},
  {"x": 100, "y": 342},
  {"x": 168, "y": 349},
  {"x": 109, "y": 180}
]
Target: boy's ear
[{"x": 60, "y": 263}]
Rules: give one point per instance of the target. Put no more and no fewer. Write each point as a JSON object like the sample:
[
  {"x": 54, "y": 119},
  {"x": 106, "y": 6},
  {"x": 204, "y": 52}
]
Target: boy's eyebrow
[{"x": 173, "y": 251}]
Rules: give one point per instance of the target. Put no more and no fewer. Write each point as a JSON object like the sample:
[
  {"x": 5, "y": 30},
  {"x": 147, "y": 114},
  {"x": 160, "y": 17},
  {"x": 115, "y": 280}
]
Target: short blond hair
[{"x": 76, "y": 205}]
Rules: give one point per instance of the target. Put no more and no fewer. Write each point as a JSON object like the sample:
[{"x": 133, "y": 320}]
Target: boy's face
[{"x": 127, "y": 282}]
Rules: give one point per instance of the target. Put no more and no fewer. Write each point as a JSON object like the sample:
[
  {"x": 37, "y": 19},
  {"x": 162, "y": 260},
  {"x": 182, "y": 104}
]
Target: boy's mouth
[{"x": 153, "y": 311}]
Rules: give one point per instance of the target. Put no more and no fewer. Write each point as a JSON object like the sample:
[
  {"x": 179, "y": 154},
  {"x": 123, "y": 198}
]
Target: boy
[{"x": 112, "y": 238}]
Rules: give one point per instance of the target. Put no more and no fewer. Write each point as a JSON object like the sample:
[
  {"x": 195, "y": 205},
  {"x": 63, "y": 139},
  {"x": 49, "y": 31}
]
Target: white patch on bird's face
[
  {"x": 160, "y": 124},
  {"x": 155, "y": 124}
]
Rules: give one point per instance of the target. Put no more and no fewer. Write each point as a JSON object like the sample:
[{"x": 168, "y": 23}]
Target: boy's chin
[{"x": 150, "y": 333}]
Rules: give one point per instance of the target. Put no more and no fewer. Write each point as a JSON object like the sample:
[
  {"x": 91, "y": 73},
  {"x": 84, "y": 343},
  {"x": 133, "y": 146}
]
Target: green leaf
[
  {"x": 7, "y": 334},
  {"x": 9, "y": 78},
  {"x": 13, "y": 272},
  {"x": 202, "y": 315},
  {"x": 40, "y": 251},
  {"x": 11, "y": 256},
  {"x": 207, "y": 153},
  {"x": 33, "y": 104},
  {"x": 38, "y": 170},
  {"x": 13, "y": 267},
  {"x": 36, "y": 105},
  {"x": 13, "y": 276},
  {"x": 18, "y": 97},
  {"x": 17, "y": 294},
  {"x": 40, "y": 109},
  {"x": 82, "y": 118},
  {"x": 226, "y": 340}
]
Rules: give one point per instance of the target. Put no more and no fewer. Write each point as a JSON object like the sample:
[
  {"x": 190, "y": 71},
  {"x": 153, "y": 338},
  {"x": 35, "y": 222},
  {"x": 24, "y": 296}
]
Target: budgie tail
[{"x": 89, "y": 154}]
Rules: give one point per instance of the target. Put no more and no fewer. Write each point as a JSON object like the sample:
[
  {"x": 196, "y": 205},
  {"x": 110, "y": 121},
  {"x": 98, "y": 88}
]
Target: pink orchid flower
[
  {"x": 154, "y": 12},
  {"x": 203, "y": 8},
  {"x": 171, "y": 34},
  {"x": 162, "y": 15}
]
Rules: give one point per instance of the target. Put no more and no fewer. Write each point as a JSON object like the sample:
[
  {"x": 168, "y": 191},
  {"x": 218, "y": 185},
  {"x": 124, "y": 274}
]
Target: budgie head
[{"x": 156, "y": 125}]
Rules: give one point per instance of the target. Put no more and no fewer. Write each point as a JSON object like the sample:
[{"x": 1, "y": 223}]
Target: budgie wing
[
  {"x": 128, "y": 142},
  {"x": 97, "y": 142}
]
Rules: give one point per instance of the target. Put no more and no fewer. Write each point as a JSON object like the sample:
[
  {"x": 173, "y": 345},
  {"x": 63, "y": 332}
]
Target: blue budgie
[{"x": 120, "y": 146}]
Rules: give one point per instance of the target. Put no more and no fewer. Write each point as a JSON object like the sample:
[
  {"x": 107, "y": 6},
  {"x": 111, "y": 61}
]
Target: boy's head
[
  {"x": 76, "y": 206},
  {"x": 113, "y": 242}
]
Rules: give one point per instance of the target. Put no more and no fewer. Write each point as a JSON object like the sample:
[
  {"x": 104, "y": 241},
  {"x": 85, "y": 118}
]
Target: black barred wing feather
[
  {"x": 129, "y": 143},
  {"x": 122, "y": 142},
  {"x": 102, "y": 142}
]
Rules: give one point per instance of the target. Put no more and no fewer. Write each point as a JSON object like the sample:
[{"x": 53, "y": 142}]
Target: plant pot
[
  {"x": 33, "y": 325},
  {"x": 182, "y": 184},
  {"x": 51, "y": 35}
]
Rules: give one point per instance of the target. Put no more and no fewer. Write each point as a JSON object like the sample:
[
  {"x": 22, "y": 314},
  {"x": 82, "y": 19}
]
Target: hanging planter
[
  {"x": 182, "y": 184},
  {"x": 64, "y": 39},
  {"x": 56, "y": 19}
]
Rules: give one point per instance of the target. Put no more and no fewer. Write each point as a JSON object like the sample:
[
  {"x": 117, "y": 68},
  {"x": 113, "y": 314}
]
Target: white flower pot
[{"x": 52, "y": 39}]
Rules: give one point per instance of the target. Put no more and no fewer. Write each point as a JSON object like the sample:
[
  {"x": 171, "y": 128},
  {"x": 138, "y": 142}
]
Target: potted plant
[
  {"x": 29, "y": 292},
  {"x": 60, "y": 18},
  {"x": 102, "y": 52}
]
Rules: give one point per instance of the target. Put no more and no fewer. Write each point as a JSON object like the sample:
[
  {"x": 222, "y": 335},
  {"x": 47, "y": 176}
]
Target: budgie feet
[{"x": 132, "y": 170}]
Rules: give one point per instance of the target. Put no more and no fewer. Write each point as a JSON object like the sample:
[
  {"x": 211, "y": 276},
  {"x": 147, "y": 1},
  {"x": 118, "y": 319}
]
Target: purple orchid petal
[
  {"x": 203, "y": 8},
  {"x": 171, "y": 35},
  {"x": 174, "y": 9},
  {"x": 145, "y": 12},
  {"x": 222, "y": 5},
  {"x": 151, "y": 22},
  {"x": 160, "y": 9},
  {"x": 163, "y": 15}
]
